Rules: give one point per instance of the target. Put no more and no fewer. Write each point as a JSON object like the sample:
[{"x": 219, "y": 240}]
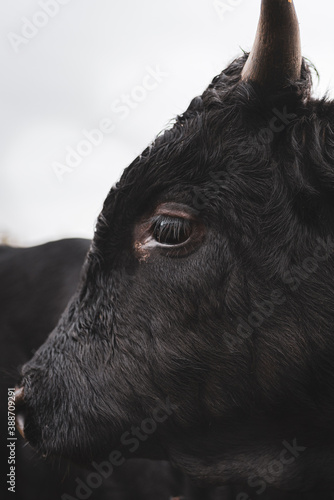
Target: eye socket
[{"x": 171, "y": 231}]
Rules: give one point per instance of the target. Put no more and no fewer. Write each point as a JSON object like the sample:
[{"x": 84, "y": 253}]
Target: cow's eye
[{"x": 171, "y": 231}]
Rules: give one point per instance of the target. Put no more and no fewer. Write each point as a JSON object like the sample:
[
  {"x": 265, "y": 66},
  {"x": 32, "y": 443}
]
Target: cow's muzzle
[{"x": 20, "y": 412}]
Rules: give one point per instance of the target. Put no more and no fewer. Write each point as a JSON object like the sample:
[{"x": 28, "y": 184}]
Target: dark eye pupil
[{"x": 171, "y": 230}]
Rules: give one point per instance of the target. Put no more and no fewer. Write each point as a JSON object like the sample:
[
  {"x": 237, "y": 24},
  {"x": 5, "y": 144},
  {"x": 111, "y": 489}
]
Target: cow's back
[{"x": 35, "y": 285}]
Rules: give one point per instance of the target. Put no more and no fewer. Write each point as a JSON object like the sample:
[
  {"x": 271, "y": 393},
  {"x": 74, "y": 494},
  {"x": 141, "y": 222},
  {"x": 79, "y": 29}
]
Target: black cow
[
  {"x": 203, "y": 329},
  {"x": 35, "y": 285}
]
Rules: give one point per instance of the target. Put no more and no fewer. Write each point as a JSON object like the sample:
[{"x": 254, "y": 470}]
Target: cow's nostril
[
  {"x": 19, "y": 396},
  {"x": 19, "y": 410}
]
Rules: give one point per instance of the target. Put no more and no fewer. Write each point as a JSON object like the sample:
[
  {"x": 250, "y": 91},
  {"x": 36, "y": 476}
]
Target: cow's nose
[{"x": 19, "y": 410}]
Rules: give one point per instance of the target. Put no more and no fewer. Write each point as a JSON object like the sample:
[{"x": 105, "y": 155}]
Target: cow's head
[{"x": 205, "y": 312}]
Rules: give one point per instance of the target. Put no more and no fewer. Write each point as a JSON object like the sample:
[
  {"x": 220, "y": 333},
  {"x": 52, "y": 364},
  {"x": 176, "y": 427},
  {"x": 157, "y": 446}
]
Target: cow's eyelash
[{"x": 168, "y": 230}]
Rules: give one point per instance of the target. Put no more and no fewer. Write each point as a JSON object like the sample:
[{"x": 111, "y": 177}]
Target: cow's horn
[{"x": 275, "y": 59}]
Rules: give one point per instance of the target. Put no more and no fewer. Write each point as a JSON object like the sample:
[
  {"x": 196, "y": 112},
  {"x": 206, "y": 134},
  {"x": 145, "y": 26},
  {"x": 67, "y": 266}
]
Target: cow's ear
[{"x": 275, "y": 60}]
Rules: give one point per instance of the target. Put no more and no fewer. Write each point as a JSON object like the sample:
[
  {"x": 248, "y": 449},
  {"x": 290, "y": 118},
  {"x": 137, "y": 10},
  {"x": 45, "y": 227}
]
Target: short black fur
[{"x": 238, "y": 332}]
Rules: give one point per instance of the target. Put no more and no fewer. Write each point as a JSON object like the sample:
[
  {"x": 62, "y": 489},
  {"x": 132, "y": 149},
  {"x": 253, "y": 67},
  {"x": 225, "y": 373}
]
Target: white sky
[{"x": 69, "y": 74}]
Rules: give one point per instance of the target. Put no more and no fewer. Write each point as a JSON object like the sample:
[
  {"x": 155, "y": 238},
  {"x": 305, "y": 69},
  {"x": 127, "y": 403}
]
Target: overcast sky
[{"x": 126, "y": 67}]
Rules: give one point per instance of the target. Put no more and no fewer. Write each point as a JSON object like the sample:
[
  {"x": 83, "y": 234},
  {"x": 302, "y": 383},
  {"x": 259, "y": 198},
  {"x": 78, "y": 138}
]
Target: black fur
[
  {"x": 35, "y": 285},
  {"x": 238, "y": 331}
]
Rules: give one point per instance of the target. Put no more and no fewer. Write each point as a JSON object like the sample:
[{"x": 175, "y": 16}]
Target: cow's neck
[{"x": 253, "y": 458}]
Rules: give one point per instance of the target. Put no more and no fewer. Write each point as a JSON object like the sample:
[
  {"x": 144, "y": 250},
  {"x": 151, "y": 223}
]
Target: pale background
[{"x": 70, "y": 72}]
